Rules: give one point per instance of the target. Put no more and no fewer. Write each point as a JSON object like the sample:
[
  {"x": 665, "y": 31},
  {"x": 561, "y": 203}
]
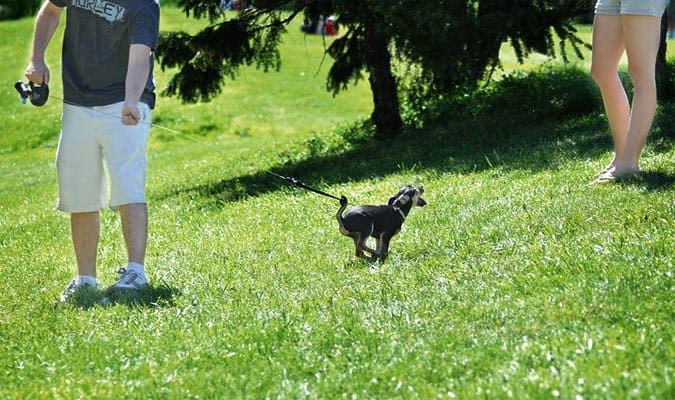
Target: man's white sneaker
[
  {"x": 75, "y": 287},
  {"x": 129, "y": 280}
]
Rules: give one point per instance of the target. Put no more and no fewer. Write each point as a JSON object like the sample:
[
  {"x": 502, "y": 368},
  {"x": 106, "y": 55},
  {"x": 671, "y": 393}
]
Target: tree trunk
[
  {"x": 662, "y": 84},
  {"x": 386, "y": 113}
]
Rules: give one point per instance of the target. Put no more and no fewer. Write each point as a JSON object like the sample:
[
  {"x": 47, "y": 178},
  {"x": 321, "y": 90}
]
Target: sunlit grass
[{"x": 516, "y": 280}]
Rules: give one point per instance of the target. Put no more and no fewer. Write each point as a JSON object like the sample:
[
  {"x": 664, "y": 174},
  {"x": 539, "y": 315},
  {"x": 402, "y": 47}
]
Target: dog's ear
[{"x": 391, "y": 201}]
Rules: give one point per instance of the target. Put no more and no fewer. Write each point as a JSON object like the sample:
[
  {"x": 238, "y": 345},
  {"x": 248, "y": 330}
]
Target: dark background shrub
[{"x": 12, "y": 9}]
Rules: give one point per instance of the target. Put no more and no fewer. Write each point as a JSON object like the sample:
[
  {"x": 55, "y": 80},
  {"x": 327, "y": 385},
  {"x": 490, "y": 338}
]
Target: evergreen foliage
[
  {"x": 456, "y": 43},
  {"x": 459, "y": 46}
]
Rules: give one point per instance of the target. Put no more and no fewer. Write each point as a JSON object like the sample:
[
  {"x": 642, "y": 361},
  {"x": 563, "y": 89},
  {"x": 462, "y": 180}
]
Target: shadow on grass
[
  {"x": 459, "y": 147},
  {"x": 650, "y": 180},
  {"x": 153, "y": 296}
]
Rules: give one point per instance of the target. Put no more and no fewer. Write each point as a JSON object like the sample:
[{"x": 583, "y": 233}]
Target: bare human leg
[
  {"x": 85, "y": 231},
  {"x": 608, "y": 47},
  {"x": 641, "y": 36},
  {"x": 135, "y": 229}
]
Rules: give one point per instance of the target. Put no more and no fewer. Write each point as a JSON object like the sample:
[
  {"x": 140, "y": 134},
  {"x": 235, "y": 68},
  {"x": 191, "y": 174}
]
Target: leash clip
[{"x": 37, "y": 94}]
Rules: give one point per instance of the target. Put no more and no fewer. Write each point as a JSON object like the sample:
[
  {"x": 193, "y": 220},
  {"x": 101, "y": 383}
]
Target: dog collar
[{"x": 400, "y": 212}]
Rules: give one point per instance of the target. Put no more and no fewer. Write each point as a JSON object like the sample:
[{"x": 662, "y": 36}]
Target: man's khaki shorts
[
  {"x": 631, "y": 7},
  {"x": 92, "y": 137}
]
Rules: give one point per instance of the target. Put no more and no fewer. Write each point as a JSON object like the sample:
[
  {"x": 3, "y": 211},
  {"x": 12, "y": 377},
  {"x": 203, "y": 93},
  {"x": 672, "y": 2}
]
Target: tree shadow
[
  {"x": 460, "y": 147},
  {"x": 153, "y": 296}
]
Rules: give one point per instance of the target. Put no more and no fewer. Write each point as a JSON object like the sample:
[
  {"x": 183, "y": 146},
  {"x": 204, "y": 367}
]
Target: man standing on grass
[{"x": 108, "y": 94}]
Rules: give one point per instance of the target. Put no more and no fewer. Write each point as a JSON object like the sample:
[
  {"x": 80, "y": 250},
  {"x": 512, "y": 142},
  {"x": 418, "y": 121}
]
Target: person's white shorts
[
  {"x": 90, "y": 137},
  {"x": 631, "y": 7}
]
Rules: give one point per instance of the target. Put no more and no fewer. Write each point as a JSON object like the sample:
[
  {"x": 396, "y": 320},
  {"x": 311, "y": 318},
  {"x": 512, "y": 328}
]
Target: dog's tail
[{"x": 338, "y": 215}]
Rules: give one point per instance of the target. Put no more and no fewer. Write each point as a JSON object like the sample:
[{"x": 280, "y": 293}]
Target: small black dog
[{"x": 381, "y": 222}]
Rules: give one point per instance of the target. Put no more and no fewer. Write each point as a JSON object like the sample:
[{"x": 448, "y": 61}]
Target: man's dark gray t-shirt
[{"x": 96, "y": 48}]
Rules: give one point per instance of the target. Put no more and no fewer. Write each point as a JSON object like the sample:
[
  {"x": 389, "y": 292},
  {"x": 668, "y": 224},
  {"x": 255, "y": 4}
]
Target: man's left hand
[{"x": 130, "y": 114}]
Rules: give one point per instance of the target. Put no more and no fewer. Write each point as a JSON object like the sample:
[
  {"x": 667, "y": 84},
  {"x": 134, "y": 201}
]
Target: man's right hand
[
  {"x": 37, "y": 72},
  {"x": 45, "y": 24}
]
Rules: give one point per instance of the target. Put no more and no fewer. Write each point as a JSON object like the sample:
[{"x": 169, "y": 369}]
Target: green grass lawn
[{"x": 517, "y": 280}]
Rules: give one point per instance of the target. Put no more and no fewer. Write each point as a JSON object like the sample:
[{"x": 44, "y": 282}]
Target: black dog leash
[{"x": 300, "y": 184}]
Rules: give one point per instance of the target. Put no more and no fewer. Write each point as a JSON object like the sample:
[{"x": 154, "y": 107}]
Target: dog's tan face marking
[
  {"x": 410, "y": 193},
  {"x": 404, "y": 196},
  {"x": 417, "y": 198},
  {"x": 403, "y": 199}
]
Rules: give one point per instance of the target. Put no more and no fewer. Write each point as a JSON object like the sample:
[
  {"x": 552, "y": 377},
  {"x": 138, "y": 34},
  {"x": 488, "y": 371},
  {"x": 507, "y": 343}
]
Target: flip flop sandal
[{"x": 605, "y": 177}]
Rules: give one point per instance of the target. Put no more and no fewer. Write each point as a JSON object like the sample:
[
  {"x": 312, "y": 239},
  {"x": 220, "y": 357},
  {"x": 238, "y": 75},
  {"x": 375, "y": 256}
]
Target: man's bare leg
[
  {"x": 85, "y": 230},
  {"x": 135, "y": 229}
]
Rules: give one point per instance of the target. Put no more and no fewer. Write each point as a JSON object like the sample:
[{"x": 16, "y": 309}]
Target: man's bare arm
[
  {"x": 45, "y": 24},
  {"x": 137, "y": 77}
]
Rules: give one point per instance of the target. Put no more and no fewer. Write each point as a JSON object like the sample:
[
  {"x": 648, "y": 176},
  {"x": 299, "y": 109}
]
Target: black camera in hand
[{"x": 37, "y": 94}]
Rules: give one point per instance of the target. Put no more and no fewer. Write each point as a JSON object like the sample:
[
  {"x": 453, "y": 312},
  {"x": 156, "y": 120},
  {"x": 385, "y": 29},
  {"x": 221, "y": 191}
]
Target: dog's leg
[
  {"x": 378, "y": 245},
  {"x": 384, "y": 251},
  {"x": 362, "y": 246},
  {"x": 374, "y": 253},
  {"x": 369, "y": 250},
  {"x": 358, "y": 244}
]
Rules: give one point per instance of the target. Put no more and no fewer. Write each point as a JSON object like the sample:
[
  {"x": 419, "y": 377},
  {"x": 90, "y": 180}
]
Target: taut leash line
[{"x": 300, "y": 184}]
